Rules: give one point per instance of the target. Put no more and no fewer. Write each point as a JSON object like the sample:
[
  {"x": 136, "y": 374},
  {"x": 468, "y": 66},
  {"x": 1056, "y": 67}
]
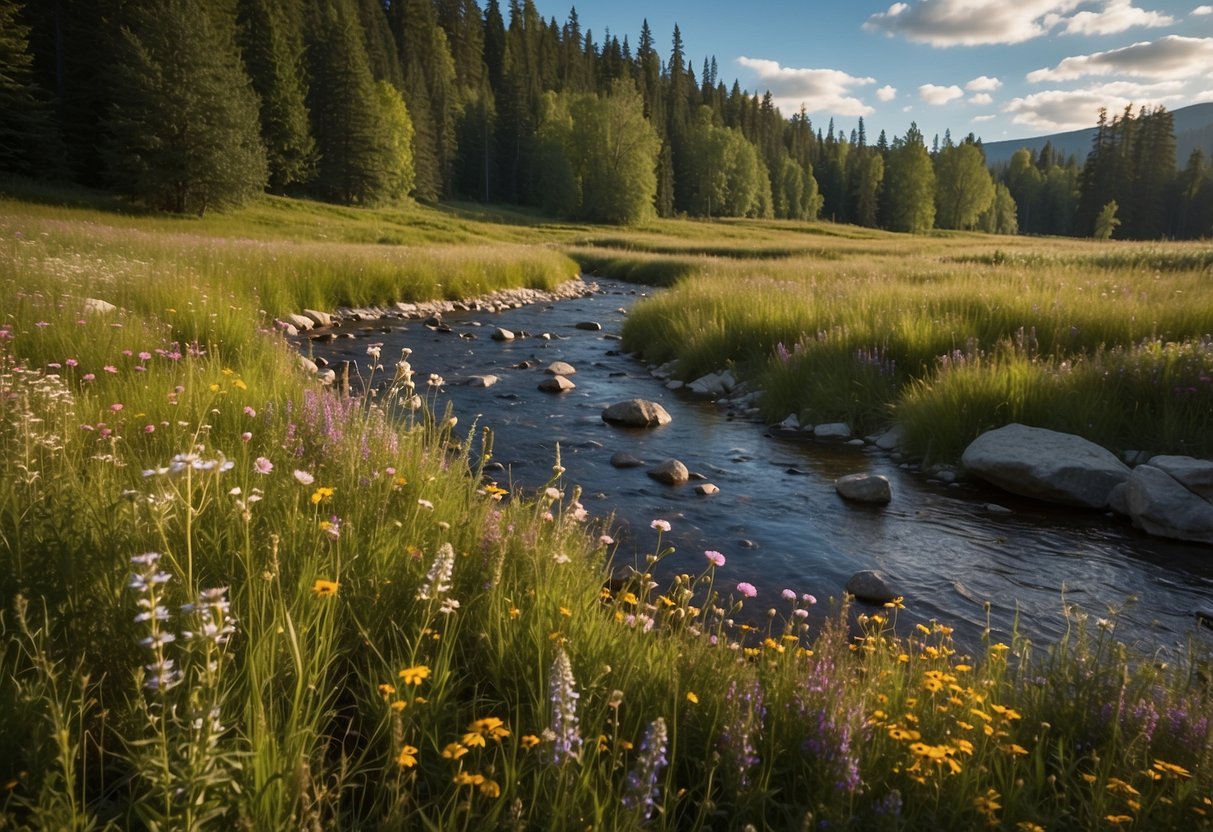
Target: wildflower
[
  {"x": 605, "y": 540},
  {"x": 426, "y": 504},
  {"x": 387, "y": 689},
  {"x": 714, "y": 557},
  {"x": 454, "y": 751},
  {"x": 641, "y": 791},
  {"x": 324, "y": 589},
  {"x": 491, "y": 727},
  {"x": 415, "y": 675},
  {"x": 747, "y": 589},
  {"x": 1117, "y": 820},
  {"x": 304, "y": 478},
  {"x": 660, "y": 525},
  {"x": 897, "y": 603},
  {"x": 438, "y": 579},
  {"x": 1172, "y": 769},
  {"x": 692, "y": 697},
  {"x": 529, "y": 741},
  {"x": 246, "y": 437},
  {"x": 808, "y": 599},
  {"x": 490, "y": 789},
  {"x": 331, "y": 527},
  {"x": 407, "y": 758},
  {"x": 321, "y": 494},
  {"x": 262, "y": 465},
  {"x": 1029, "y": 826},
  {"x": 399, "y": 705},
  {"x": 562, "y": 691},
  {"x": 248, "y": 411}
]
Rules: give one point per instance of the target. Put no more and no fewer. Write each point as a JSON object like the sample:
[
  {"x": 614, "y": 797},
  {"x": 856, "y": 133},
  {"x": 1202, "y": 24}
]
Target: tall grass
[
  {"x": 1044, "y": 335},
  {"x": 232, "y": 599}
]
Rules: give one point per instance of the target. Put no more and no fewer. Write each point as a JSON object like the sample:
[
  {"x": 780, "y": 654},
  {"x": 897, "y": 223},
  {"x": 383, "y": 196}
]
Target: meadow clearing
[{"x": 232, "y": 598}]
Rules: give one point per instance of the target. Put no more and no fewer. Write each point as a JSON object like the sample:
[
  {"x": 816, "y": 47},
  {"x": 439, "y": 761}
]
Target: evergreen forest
[{"x": 186, "y": 106}]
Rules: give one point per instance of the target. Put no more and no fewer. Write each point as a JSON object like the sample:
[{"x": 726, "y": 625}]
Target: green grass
[{"x": 397, "y": 636}]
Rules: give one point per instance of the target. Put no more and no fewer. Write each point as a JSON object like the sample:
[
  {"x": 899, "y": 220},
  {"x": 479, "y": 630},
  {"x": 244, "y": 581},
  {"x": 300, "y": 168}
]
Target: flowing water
[{"x": 777, "y": 517}]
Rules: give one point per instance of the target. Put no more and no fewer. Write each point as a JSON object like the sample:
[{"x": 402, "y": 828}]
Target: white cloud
[
  {"x": 968, "y": 22},
  {"x": 886, "y": 93},
  {"x": 982, "y": 22},
  {"x": 938, "y": 96},
  {"x": 981, "y": 99},
  {"x": 984, "y": 118},
  {"x": 1116, "y": 16},
  {"x": 983, "y": 83},
  {"x": 1169, "y": 57},
  {"x": 1200, "y": 11},
  {"x": 819, "y": 90},
  {"x": 1059, "y": 110}
]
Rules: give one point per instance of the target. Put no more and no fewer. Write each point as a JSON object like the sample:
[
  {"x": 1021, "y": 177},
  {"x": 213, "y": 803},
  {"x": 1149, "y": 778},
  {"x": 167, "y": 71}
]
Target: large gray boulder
[
  {"x": 1046, "y": 465},
  {"x": 637, "y": 413},
  {"x": 560, "y": 368},
  {"x": 864, "y": 488},
  {"x": 1160, "y": 505},
  {"x": 833, "y": 430},
  {"x": 1196, "y": 475}
]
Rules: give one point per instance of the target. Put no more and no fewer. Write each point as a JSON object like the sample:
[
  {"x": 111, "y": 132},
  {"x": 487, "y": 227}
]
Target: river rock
[
  {"x": 560, "y": 368},
  {"x": 671, "y": 472},
  {"x": 864, "y": 488},
  {"x": 318, "y": 317},
  {"x": 308, "y": 364},
  {"x": 502, "y": 334},
  {"x": 1196, "y": 475},
  {"x": 674, "y": 384},
  {"x": 891, "y": 439},
  {"x": 623, "y": 459},
  {"x": 833, "y": 430},
  {"x": 706, "y": 489},
  {"x": 638, "y": 413},
  {"x": 872, "y": 586},
  {"x": 556, "y": 384},
  {"x": 790, "y": 423},
  {"x": 1160, "y": 505},
  {"x": 709, "y": 385},
  {"x": 1046, "y": 465},
  {"x": 589, "y": 326},
  {"x": 300, "y": 322},
  {"x": 482, "y": 381}
]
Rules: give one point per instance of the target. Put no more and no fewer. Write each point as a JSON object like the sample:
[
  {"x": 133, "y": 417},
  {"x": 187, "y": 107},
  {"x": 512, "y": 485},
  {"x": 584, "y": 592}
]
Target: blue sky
[{"x": 1003, "y": 69}]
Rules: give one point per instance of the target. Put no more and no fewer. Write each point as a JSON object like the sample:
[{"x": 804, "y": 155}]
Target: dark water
[{"x": 777, "y": 517}]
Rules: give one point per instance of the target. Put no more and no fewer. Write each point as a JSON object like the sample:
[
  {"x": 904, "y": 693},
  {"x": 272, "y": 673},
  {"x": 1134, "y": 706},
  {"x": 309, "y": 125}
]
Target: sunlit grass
[{"x": 380, "y": 636}]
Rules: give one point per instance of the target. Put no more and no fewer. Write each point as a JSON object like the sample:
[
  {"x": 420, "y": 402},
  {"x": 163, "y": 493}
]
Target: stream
[{"x": 777, "y": 518}]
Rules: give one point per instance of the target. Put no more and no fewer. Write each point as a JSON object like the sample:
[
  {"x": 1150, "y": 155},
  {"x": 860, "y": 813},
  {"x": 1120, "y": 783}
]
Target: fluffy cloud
[
  {"x": 817, "y": 89},
  {"x": 938, "y": 96},
  {"x": 1170, "y": 57},
  {"x": 886, "y": 93},
  {"x": 981, "y": 99},
  {"x": 1058, "y": 110},
  {"x": 1116, "y": 16},
  {"x": 980, "y": 119},
  {"x": 982, "y": 22},
  {"x": 1200, "y": 11},
  {"x": 983, "y": 83}
]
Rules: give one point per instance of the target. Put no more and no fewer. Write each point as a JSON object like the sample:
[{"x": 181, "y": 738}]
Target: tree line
[{"x": 192, "y": 105}]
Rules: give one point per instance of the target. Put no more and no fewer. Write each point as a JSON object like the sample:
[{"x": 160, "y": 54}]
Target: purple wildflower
[{"x": 642, "y": 792}]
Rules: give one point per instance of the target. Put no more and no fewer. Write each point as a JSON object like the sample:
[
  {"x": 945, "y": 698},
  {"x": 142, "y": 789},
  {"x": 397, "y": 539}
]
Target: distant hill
[{"x": 1193, "y": 128}]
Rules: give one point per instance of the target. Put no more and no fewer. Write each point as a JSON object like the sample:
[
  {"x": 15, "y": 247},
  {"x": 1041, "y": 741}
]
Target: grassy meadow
[{"x": 230, "y": 598}]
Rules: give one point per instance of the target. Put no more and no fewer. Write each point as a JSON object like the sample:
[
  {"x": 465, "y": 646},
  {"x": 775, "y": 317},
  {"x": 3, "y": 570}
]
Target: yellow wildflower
[
  {"x": 324, "y": 589},
  {"x": 530, "y": 741},
  {"x": 454, "y": 751},
  {"x": 415, "y": 675},
  {"x": 321, "y": 494},
  {"x": 1172, "y": 769},
  {"x": 407, "y": 758}
]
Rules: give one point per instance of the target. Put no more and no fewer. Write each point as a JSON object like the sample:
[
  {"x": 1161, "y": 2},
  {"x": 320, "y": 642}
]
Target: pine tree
[
  {"x": 345, "y": 110},
  {"x": 27, "y": 132},
  {"x": 273, "y": 52},
  {"x": 183, "y": 132}
]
